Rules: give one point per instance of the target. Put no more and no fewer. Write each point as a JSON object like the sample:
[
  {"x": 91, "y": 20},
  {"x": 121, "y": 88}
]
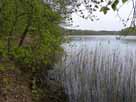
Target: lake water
[{"x": 99, "y": 69}]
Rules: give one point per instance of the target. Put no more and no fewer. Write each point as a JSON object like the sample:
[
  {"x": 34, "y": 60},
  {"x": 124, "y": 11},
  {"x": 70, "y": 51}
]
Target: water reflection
[{"x": 99, "y": 69}]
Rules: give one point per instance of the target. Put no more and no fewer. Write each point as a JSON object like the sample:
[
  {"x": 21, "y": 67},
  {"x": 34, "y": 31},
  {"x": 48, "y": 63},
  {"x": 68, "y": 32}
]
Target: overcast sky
[{"x": 110, "y": 21}]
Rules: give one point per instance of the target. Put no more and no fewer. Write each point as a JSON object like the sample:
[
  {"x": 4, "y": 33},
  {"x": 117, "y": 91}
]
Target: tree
[
  {"x": 91, "y": 6},
  {"x": 21, "y": 19},
  {"x": 30, "y": 36}
]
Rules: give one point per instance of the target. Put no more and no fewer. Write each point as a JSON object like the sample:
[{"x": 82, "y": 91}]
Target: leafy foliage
[
  {"x": 30, "y": 36},
  {"x": 31, "y": 27},
  {"x": 128, "y": 31},
  {"x": 93, "y": 5}
]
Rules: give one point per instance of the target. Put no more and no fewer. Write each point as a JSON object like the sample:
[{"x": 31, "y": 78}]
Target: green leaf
[
  {"x": 114, "y": 5},
  {"x": 104, "y": 9},
  {"x": 124, "y": 1}
]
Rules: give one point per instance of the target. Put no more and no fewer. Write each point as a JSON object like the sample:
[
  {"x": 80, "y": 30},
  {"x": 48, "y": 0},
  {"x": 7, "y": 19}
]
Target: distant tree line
[{"x": 127, "y": 31}]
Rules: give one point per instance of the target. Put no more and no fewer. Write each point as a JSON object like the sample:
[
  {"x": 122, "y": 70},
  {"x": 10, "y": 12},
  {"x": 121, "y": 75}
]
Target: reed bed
[{"x": 98, "y": 71}]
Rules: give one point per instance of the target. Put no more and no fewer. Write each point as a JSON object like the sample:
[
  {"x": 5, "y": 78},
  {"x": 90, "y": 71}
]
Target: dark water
[{"x": 99, "y": 69}]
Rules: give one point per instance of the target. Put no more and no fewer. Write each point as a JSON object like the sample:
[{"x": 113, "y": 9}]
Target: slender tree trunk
[
  {"x": 23, "y": 36},
  {"x": 8, "y": 45}
]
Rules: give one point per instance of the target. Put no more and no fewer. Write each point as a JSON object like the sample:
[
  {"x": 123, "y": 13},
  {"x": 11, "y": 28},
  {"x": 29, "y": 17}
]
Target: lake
[{"x": 98, "y": 69}]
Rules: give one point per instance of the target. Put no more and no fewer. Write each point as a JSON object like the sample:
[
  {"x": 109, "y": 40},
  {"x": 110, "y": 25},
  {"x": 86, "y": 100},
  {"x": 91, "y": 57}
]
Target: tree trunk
[{"x": 23, "y": 36}]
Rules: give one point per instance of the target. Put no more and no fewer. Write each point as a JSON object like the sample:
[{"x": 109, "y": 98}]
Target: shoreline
[{"x": 116, "y": 37}]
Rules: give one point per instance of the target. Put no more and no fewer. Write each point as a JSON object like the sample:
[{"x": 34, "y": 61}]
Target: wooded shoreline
[{"x": 91, "y": 32}]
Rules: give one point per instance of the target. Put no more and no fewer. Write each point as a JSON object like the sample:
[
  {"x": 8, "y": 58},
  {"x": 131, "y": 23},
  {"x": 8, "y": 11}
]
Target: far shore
[
  {"x": 98, "y": 33},
  {"x": 117, "y": 37}
]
